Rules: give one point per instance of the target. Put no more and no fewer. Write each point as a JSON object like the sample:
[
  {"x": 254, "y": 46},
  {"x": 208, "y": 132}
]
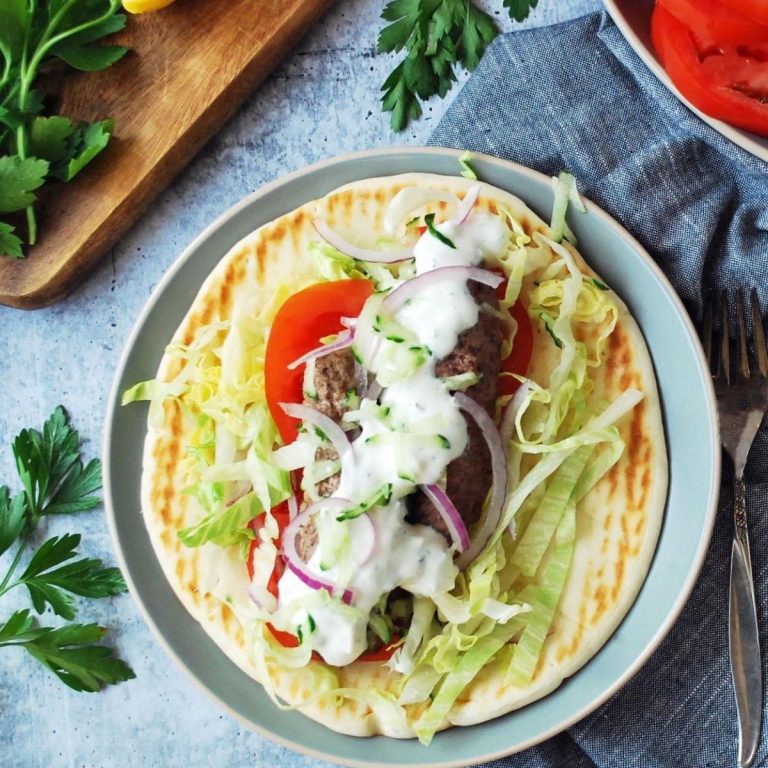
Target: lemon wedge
[{"x": 143, "y": 6}]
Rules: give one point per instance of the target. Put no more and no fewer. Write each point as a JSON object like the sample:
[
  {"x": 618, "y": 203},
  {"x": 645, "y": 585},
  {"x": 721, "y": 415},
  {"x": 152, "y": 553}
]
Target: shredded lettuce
[
  {"x": 335, "y": 265},
  {"x": 463, "y": 671},
  {"x": 217, "y": 380},
  {"x": 565, "y": 191},
  {"x": 403, "y": 660},
  {"x": 225, "y": 525},
  {"x": 544, "y": 599},
  {"x": 531, "y": 547},
  {"x": 461, "y": 381},
  {"x": 467, "y": 170}
]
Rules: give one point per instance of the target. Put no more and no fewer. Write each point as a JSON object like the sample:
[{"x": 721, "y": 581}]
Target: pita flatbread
[{"x": 618, "y": 521}]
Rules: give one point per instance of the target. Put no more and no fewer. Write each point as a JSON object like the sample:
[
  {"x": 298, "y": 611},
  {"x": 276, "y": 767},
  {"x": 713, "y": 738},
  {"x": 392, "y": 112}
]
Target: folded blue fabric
[{"x": 575, "y": 96}]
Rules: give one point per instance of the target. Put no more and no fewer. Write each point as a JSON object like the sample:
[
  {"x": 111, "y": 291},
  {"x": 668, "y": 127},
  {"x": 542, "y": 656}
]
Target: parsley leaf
[
  {"x": 96, "y": 31},
  {"x": 86, "y": 577},
  {"x": 12, "y": 518},
  {"x": 55, "y": 481},
  {"x": 89, "y": 58},
  {"x": 34, "y": 35},
  {"x": 71, "y": 652},
  {"x": 399, "y": 99},
  {"x": 17, "y": 627},
  {"x": 519, "y": 10},
  {"x": 477, "y": 31},
  {"x": 85, "y": 142},
  {"x": 10, "y": 245},
  {"x": 54, "y": 478},
  {"x": 48, "y": 137},
  {"x": 435, "y": 35},
  {"x": 18, "y": 178},
  {"x": 15, "y": 21}
]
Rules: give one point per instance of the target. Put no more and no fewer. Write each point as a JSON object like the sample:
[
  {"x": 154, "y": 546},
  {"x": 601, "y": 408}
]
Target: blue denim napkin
[{"x": 576, "y": 96}]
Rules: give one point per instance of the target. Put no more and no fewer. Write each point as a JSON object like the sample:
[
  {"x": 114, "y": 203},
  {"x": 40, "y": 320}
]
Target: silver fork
[{"x": 742, "y": 397}]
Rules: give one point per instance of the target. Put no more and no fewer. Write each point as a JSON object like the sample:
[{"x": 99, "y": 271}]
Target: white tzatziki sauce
[
  {"x": 407, "y": 442},
  {"x": 414, "y": 557}
]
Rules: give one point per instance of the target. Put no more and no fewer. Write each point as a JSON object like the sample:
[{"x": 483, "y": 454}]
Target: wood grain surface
[{"x": 190, "y": 66}]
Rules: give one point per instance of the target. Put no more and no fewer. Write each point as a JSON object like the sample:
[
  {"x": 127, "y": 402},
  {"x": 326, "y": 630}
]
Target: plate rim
[
  {"x": 113, "y": 404},
  {"x": 749, "y": 142}
]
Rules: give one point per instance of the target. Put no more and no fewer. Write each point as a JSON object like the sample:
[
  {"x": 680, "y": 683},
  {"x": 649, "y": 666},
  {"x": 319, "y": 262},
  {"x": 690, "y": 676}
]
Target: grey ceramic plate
[
  {"x": 633, "y": 18},
  {"x": 691, "y": 425}
]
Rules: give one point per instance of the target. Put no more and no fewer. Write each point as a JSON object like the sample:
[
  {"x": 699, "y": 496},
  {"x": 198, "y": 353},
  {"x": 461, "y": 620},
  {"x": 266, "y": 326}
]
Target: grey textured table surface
[{"x": 322, "y": 101}]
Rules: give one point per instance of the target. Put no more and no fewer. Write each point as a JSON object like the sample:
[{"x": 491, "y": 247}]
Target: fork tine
[
  {"x": 724, "y": 363},
  {"x": 742, "y": 359},
  {"x": 708, "y": 312},
  {"x": 757, "y": 323}
]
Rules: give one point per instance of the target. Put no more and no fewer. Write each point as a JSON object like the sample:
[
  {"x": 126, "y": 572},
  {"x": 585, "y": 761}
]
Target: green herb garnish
[
  {"x": 429, "y": 220},
  {"x": 548, "y": 326},
  {"x": 435, "y": 35},
  {"x": 381, "y": 497},
  {"x": 34, "y": 148},
  {"x": 55, "y": 482}
]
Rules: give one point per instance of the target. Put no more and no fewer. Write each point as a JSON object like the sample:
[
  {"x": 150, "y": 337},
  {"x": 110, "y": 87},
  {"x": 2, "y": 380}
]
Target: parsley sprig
[
  {"x": 34, "y": 35},
  {"x": 436, "y": 35},
  {"x": 54, "y": 482}
]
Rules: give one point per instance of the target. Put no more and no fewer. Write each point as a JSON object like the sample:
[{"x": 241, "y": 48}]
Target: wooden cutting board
[{"x": 190, "y": 66}]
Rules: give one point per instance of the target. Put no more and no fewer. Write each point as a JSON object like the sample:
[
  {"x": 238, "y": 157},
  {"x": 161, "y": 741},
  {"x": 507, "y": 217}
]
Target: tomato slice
[
  {"x": 724, "y": 81},
  {"x": 755, "y": 9},
  {"x": 282, "y": 518},
  {"x": 300, "y": 323},
  {"x": 383, "y": 653},
  {"x": 517, "y": 360},
  {"x": 715, "y": 19}
]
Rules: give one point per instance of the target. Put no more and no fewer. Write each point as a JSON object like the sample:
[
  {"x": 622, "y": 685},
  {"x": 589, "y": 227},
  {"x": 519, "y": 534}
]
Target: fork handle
[{"x": 743, "y": 640}]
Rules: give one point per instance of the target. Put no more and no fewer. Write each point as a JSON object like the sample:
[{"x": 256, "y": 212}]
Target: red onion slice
[
  {"x": 362, "y": 556},
  {"x": 415, "y": 285},
  {"x": 291, "y": 555},
  {"x": 362, "y": 254},
  {"x": 329, "y": 427},
  {"x": 408, "y": 200},
  {"x": 450, "y": 515},
  {"x": 499, "y": 469},
  {"x": 344, "y": 340},
  {"x": 467, "y": 204},
  {"x": 367, "y": 530}
]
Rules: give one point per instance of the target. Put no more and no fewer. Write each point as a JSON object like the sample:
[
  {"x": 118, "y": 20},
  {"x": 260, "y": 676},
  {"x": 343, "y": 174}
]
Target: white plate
[
  {"x": 690, "y": 419},
  {"x": 633, "y": 18}
]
